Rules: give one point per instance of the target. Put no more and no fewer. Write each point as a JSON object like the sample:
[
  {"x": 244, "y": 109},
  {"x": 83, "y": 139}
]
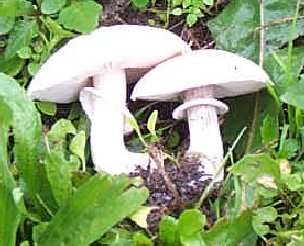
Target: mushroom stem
[
  {"x": 109, "y": 153},
  {"x": 204, "y": 130}
]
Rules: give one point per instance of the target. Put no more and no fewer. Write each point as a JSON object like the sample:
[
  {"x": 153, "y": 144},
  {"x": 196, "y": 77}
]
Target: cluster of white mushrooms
[{"x": 117, "y": 55}]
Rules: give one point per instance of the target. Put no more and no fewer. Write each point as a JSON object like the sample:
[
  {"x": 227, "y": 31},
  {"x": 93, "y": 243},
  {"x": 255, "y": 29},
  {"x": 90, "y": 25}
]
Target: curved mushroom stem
[
  {"x": 205, "y": 135},
  {"x": 109, "y": 153}
]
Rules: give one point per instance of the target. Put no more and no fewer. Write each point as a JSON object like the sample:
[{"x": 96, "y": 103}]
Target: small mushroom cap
[
  {"x": 66, "y": 72},
  {"x": 230, "y": 75}
]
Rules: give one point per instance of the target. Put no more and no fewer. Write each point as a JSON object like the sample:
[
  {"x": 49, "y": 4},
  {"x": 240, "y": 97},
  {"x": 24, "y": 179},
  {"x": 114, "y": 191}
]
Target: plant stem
[{"x": 213, "y": 181}]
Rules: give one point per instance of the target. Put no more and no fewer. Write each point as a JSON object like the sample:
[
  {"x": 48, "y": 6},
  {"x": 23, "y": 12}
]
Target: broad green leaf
[
  {"x": 232, "y": 231},
  {"x": 140, "y": 3},
  {"x": 11, "y": 66},
  {"x": 14, "y": 8},
  {"x": 190, "y": 221},
  {"x": 51, "y": 6},
  {"x": 87, "y": 13},
  {"x": 253, "y": 167},
  {"x": 269, "y": 131},
  {"x": 241, "y": 114},
  {"x": 264, "y": 214},
  {"x": 294, "y": 94},
  {"x": 275, "y": 63},
  {"x": 6, "y": 24},
  {"x": 190, "y": 224},
  {"x": 57, "y": 135},
  {"x": 9, "y": 214},
  {"x": 25, "y": 52},
  {"x": 19, "y": 37},
  {"x": 47, "y": 108},
  {"x": 93, "y": 209},
  {"x": 235, "y": 28},
  {"x": 191, "y": 19},
  {"x": 168, "y": 231},
  {"x": 27, "y": 131},
  {"x": 140, "y": 238},
  {"x": 59, "y": 173}
]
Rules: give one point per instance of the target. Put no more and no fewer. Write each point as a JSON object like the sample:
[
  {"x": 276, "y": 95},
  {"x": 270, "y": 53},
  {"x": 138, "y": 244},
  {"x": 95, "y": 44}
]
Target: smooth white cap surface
[
  {"x": 64, "y": 74},
  {"x": 230, "y": 75}
]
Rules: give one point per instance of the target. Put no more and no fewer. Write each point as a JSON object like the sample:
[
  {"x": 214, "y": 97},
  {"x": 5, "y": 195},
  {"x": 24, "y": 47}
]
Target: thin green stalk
[{"x": 213, "y": 182}]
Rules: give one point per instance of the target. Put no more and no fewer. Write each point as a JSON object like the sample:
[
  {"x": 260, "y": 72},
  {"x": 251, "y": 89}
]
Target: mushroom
[
  {"x": 105, "y": 55},
  {"x": 198, "y": 78}
]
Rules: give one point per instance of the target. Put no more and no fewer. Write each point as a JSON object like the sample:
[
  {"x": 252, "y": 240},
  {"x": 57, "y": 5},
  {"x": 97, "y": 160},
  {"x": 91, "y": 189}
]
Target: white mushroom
[
  {"x": 198, "y": 77},
  {"x": 104, "y": 55}
]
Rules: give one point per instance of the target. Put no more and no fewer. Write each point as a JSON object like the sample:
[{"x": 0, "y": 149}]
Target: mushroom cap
[
  {"x": 228, "y": 73},
  {"x": 67, "y": 71}
]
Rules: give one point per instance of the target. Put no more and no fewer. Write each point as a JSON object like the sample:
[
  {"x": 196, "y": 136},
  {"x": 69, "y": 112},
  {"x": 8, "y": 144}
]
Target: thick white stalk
[
  {"x": 205, "y": 135},
  {"x": 109, "y": 153}
]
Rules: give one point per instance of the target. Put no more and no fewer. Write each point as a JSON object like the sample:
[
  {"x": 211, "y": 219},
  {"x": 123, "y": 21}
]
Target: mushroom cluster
[{"x": 97, "y": 67}]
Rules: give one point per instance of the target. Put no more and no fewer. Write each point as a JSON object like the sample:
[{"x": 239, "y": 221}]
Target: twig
[
  {"x": 279, "y": 22},
  {"x": 157, "y": 156}
]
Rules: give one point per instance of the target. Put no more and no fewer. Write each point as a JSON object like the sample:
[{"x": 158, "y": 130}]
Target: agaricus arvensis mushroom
[
  {"x": 104, "y": 55},
  {"x": 198, "y": 78}
]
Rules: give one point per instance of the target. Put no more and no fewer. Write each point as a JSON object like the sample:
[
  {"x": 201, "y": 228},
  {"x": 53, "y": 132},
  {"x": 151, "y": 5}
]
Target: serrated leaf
[
  {"x": 6, "y": 24},
  {"x": 87, "y": 13},
  {"x": 47, "y": 108},
  {"x": 51, "y": 6},
  {"x": 93, "y": 209},
  {"x": 19, "y": 37},
  {"x": 9, "y": 214}
]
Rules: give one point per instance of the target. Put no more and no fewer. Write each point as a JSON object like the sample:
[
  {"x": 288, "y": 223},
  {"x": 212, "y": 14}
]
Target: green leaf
[
  {"x": 235, "y": 28},
  {"x": 19, "y": 37},
  {"x": 11, "y": 66},
  {"x": 265, "y": 214},
  {"x": 269, "y": 130},
  {"x": 59, "y": 173},
  {"x": 254, "y": 167},
  {"x": 25, "y": 52},
  {"x": 57, "y": 135},
  {"x": 77, "y": 145},
  {"x": 233, "y": 231},
  {"x": 177, "y": 11},
  {"x": 9, "y": 214},
  {"x": 14, "y": 8},
  {"x": 87, "y": 13},
  {"x": 190, "y": 223},
  {"x": 51, "y": 6},
  {"x": 140, "y": 3},
  {"x": 27, "y": 132},
  {"x": 191, "y": 19},
  {"x": 294, "y": 94},
  {"x": 47, "y": 108},
  {"x": 93, "y": 209},
  {"x": 151, "y": 125},
  {"x": 140, "y": 238},
  {"x": 168, "y": 231},
  {"x": 6, "y": 24}
]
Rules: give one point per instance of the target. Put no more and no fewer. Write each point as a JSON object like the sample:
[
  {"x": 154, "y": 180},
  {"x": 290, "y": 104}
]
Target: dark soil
[{"x": 187, "y": 178}]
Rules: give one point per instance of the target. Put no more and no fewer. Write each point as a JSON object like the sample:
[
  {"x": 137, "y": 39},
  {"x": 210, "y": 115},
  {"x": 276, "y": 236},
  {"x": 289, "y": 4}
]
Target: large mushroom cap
[
  {"x": 123, "y": 46},
  {"x": 228, "y": 73}
]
